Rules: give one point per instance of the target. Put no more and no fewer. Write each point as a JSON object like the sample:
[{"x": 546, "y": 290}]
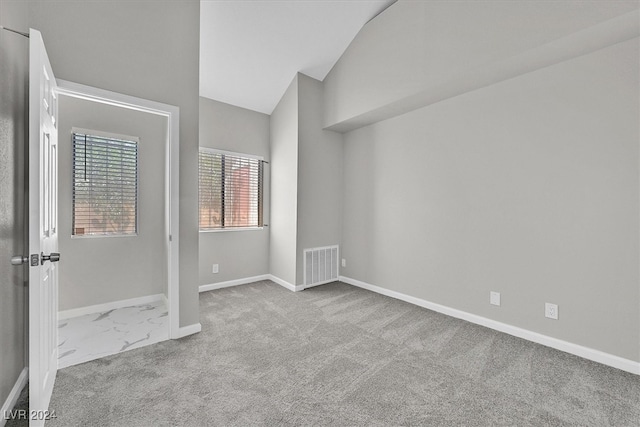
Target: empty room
[{"x": 320, "y": 212}]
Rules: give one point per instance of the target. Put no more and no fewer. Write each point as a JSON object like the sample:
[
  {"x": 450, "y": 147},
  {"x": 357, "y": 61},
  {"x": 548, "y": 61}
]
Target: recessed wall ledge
[{"x": 622, "y": 28}]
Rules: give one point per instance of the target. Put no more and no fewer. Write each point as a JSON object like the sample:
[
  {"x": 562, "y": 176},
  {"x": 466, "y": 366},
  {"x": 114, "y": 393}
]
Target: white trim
[
  {"x": 14, "y": 394},
  {"x": 172, "y": 183},
  {"x": 244, "y": 281},
  {"x": 165, "y": 300},
  {"x": 229, "y": 283},
  {"x": 101, "y": 308},
  {"x": 103, "y": 236},
  {"x": 222, "y": 230},
  {"x": 231, "y": 153},
  {"x": 575, "y": 349},
  {"x": 286, "y": 284},
  {"x": 90, "y": 93},
  {"x": 324, "y": 282},
  {"x": 189, "y": 330}
]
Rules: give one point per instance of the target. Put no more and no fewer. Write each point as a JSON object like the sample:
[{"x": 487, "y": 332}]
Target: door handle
[
  {"x": 53, "y": 257},
  {"x": 19, "y": 260}
]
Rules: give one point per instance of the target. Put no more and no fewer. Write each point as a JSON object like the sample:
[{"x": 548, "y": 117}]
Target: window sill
[
  {"x": 222, "y": 230},
  {"x": 99, "y": 236}
]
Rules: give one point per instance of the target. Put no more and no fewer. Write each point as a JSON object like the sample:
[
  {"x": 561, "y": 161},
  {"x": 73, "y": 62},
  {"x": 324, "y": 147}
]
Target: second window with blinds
[{"x": 230, "y": 190}]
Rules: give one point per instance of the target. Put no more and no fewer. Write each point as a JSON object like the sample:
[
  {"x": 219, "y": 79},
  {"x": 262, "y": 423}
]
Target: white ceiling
[{"x": 251, "y": 50}]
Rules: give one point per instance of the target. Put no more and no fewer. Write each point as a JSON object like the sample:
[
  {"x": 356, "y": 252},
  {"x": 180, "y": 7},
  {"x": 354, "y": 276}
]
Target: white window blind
[
  {"x": 230, "y": 190},
  {"x": 105, "y": 185}
]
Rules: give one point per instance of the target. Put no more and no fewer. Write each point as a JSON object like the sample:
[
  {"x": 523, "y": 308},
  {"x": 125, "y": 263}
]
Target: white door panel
[{"x": 43, "y": 226}]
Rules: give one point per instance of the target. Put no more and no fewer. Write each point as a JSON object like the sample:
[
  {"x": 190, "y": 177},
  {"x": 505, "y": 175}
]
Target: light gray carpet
[{"x": 340, "y": 355}]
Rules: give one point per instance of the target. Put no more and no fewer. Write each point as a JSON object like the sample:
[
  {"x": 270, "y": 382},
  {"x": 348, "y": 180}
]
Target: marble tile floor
[{"x": 93, "y": 336}]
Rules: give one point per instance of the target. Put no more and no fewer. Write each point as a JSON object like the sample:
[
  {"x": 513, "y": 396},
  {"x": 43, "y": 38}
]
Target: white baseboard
[
  {"x": 236, "y": 282},
  {"x": 165, "y": 300},
  {"x": 99, "y": 308},
  {"x": 286, "y": 284},
  {"x": 575, "y": 349},
  {"x": 244, "y": 281},
  {"x": 11, "y": 400},
  {"x": 319, "y": 283},
  {"x": 189, "y": 330}
]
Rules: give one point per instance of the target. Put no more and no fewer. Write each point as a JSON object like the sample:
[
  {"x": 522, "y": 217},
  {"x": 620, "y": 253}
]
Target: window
[
  {"x": 105, "y": 185},
  {"x": 230, "y": 190}
]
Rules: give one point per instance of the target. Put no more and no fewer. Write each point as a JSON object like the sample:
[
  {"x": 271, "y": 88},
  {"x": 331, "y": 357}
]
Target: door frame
[{"x": 172, "y": 188}]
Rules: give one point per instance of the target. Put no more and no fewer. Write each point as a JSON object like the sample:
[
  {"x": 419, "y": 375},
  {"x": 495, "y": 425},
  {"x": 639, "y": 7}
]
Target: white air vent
[{"x": 320, "y": 265}]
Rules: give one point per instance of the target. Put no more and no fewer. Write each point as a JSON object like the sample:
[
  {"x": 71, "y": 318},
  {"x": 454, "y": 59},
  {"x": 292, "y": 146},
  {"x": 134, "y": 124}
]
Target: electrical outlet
[
  {"x": 494, "y": 298},
  {"x": 344, "y": 262},
  {"x": 551, "y": 310},
  {"x": 215, "y": 268}
]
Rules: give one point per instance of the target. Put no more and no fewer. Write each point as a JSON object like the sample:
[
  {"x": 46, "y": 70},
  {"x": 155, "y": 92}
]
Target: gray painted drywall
[
  {"x": 239, "y": 254},
  {"x": 433, "y": 48},
  {"x": 283, "y": 227},
  {"x": 320, "y": 178},
  {"x": 14, "y": 73},
  {"x": 144, "y": 49},
  {"x": 98, "y": 270},
  {"x": 528, "y": 187}
]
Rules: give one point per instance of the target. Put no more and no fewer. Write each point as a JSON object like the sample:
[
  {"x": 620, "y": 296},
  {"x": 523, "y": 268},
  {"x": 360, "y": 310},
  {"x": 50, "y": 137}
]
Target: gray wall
[
  {"x": 283, "y": 227},
  {"x": 302, "y": 156},
  {"x": 245, "y": 253},
  {"x": 153, "y": 54},
  {"x": 98, "y": 270},
  {"x": 320, "y": 154},
  {"x": 427, "y": 46},
  {"x": 528, "y": 187},
  {"x": 14, "y": 72}
]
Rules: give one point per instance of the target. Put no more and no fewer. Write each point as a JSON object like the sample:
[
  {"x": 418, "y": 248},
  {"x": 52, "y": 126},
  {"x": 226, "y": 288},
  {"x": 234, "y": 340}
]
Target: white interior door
[{"x": 43, "y": 230}]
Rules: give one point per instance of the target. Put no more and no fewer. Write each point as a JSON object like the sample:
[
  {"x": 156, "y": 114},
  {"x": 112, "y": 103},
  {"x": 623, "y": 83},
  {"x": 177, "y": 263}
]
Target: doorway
[{"x": 123, "y": 287}]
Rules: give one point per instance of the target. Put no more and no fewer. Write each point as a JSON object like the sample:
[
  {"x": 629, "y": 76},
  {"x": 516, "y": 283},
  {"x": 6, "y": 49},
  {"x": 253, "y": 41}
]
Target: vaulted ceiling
[{"x": 251, "y": 50}]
